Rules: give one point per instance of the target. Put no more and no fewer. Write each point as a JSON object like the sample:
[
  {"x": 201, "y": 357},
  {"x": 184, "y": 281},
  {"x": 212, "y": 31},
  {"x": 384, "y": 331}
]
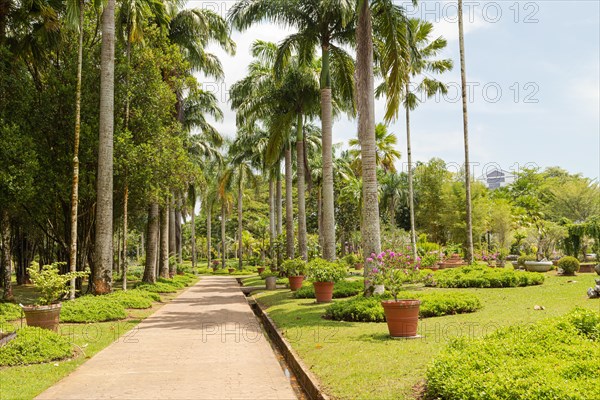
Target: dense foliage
[
  {"x": 483, "y": 277},
  {"x": 9, "y": 312},
  {"x": 92, "y": 309},
  {"x": 137, "y": 299},
  {"x": 569, "y": 265},
  {"x": 33, "y": 346},
  {"x": 553, "y": 359},
  {"x": 320, "y": 270}
]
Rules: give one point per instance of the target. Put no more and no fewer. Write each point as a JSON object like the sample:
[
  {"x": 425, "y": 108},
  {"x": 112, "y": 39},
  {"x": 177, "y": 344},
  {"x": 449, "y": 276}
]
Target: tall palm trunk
[
  {"x": 240, "y": 222},
  {"x": 463, "y": 79},
  {"x": 320, "y": 214},
  {"x": 289, "y": 211},
  {"x": 328, "y": 217},
  {"x": 151, "y": 243},
  {"x": 172, "y": 238},
  {"x": 302, "y": 247},
  {"x": 75, "y": 182},
  {"x": 124, "y": 259},
  {"x": 164, "y": 241},
  {"x": 193, "y": 230},
  {"x": 371, "y": 242},
  {"x": 272, "y": 216},
  {"x": 103, "y": 252},
  {"x": 178, "y": 233},
  {"x": 6, "y": 257},
  {"x": 208, "y": 233},
  {"x": 223, "y": 238},
  {"x": 278, "y": 201},
  {"x": 411, "y": 193}
]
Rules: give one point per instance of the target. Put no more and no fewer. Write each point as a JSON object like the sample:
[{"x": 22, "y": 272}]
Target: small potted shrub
[
  {"x": 231, "y": 270},
  {"x": 215, "y": 264},
  {"x": 501, "y": 258},
  {"x": 521, "y": 260},
  {"x": 324, "y": 274},
  {"x": 52, "y": 286},
  {"x": 260, "y": 270},
  {"x": 353, "y": 261},
  {"x": 295, "y": 270},
  {"x": 568, "y": 265},
  {"x": 270, "y": 280},
  {"x": 402, "y": 315},
  {"x": 430, "y": 261}
]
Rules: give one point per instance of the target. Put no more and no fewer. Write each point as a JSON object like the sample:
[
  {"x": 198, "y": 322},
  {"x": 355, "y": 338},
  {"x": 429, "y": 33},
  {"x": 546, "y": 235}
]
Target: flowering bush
[{"x": 393, "y": 270}]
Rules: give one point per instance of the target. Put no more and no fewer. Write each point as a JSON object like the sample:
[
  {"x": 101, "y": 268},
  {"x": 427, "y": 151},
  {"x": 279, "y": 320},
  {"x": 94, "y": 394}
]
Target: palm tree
[
  {"x": 463, "y": 79},
  {"x": 418, "y": 62},
  {"x": 385, "y": 154},
  {"x": 103, "y": 251}
]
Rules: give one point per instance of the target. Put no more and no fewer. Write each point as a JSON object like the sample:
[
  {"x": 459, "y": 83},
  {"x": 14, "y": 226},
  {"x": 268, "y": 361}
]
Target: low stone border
[{"x": 303, "y": 375}]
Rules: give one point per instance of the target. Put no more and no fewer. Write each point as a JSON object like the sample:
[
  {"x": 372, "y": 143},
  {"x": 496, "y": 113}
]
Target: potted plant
[
  {"x": 430, "y": 261},
  {"x": 270, "y": 280},
  {"x": 402, "y": 315},
  {"x": 295, "y": 270},
  {"x": 260, "y": 270},
  {"x": 52, "y": 286},
  {"x": 215, "y": 264},
  {"x": 324, "y": 274},
  {"x": 231, "y": 270},
  {"x": 501, "y": 258},
  {"x": 568, "y": 265}
]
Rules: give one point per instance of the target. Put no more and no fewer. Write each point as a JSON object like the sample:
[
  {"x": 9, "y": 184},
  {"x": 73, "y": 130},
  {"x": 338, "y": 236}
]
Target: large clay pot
[
  {"x": 46, "y": 317},
  {"x": 260, "y": 270},
  {"x": 358, "y": 266},
  {"x": 296, "y": 282},
  {"x": 323, "y": 291},
  {"x": 538, "y": 266},
  {"x": 402, "y": 317},
  {"x": 271, "y": 282}
]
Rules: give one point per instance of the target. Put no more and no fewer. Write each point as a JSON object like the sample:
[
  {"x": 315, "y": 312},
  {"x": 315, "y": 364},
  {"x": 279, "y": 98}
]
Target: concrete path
[{"x": 205, "y": 344}]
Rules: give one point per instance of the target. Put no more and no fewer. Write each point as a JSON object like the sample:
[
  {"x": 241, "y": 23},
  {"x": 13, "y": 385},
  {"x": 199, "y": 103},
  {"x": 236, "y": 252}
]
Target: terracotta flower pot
[
  {"x": 296, "y": 282},
  {"x": 260, "y": 270},
  {"x": 323, "y": 291},
  {"x": 402, "y": 317},
  {"x": 46, "y": 317},
  {"x": 359, "y": 266},
  {"x": 231, "y": 270}
]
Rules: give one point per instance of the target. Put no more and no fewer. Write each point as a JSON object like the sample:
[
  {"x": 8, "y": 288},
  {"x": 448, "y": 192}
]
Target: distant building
[{"x": 496, "y": 178}]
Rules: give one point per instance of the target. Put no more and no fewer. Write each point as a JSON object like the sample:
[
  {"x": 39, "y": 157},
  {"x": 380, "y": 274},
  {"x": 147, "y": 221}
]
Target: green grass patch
[
  {"x": 33, "y": 346},
  {"x": 553, "y": 359},
  {"x": 340, "y": 289},
  {"x": 164, "y": 285},
  {"x": 136, "y": 299},
  {"x": 92, "y": 309},
  {"x": 9, "y": 312},
  {"x": 433, "y": 304},
  {"x": 484, "y": 277}
]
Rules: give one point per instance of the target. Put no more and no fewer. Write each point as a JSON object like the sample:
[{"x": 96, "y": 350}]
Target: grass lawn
[
  {"x": 26, "y": 382},
  {"x": 359, "y": 361}
]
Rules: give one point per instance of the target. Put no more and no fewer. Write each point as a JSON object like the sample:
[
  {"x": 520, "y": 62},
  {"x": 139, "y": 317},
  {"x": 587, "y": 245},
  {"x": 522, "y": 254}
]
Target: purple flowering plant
[{"x": 393, "y": 270}]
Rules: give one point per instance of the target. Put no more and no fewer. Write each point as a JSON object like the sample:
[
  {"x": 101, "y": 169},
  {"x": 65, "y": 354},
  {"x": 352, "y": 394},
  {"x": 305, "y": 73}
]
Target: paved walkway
[{"x": 205, "y": 344}]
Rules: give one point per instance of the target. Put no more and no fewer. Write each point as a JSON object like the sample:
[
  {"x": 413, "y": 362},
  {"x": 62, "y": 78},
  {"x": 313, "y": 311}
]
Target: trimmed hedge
[
  {"x": 92, "y": 309},
  {"x": 340, "y": 289},
  {"x": 163, "y": 285},
  {"x": 433, "y": 304},
  {"x": 552, "y": 359},
  {"x": 135, "y": 298},
  {"x": 33, "y": 346},
  {"x": 569, "y": 265},
  {"x": 9, "y": 312},
  {"x": 483, "y": 277}
]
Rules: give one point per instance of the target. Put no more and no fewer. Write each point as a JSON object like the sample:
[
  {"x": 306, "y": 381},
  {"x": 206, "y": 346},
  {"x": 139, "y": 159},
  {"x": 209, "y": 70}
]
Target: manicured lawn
[{"x": 359, "y": 361}]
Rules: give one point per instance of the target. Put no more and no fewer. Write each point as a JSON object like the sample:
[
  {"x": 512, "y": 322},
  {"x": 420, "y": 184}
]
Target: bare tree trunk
[
  {"x": 125, "y": 207},
  {"x": 178, "y": 232},
  {"x": 302, "y": 247},
  {"x": 240, "y": 223},
  {"x": 223, "y": 238},
  {"x": 272, "y": 216},
  {"x": 103, "y": 252},
  {"x": 289, "y": 211},
  {"x": 193, "y": 232},
  {"x": 75, "y": 182},
  {"x": 164, "y": 241},
  {"x": 279, "y": 200},
  {"x": 328, "y": 217},
  {"x": 320, "y": 215},
  {"x": 208, "y": 233},
  {"x": 371, "y": 242},
  {"x": 152, "y": 243},
  {"x": 172, "y": 238},
  {"x": 6, "y": 257},
  {"x": 463, "y": 79},
  {"x": 411, "y": 193}
]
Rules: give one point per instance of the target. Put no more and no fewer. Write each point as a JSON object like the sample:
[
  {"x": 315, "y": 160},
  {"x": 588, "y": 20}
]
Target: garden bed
[{"x": 484, "y": 277}]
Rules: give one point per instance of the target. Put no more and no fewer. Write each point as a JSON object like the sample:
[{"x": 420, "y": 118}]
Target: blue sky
[{"x": 533, "y": 69}]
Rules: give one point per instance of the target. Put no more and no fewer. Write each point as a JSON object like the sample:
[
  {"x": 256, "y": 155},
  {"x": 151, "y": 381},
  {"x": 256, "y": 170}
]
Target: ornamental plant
[
  {"x": 294, "y": 267},
  {"x": 569, "y": 265},
  {"x": 393, "y": 270},
  {"x": 320, "y": 270},
  {"x": 51, "y": 284},
  {"x": 430, "y": 259},
  {"x": 351, "y": 259}
]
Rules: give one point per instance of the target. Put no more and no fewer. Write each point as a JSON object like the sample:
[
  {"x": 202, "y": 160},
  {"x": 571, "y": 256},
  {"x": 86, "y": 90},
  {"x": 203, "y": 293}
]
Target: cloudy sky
[{"x": 533, "y": 71}]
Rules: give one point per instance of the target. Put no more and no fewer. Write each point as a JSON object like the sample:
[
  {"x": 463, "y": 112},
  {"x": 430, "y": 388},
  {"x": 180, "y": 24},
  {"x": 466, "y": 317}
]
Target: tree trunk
[
  {"x": 240, "y": 223},
  {"x": 366, "y": 131},
  {"x": 193, "y": 233},
  {"x": 411, "y": 193},
  {"x": 289, "y": 211},
  {"x": 152, "y": 243},
  {"x": 124, "y": 259},
  {"x": 164, "y": 241},
  {"x": 172, "y": 239},
  {"x": 6, "y": 257},
  {"x": 75, "y": 182},
  {"x": 302, "y": 247},
  {"x": 463, "y": 79},
  {"x": 320, "y": 215},
  {"x": 223, "y": 238},
  {"x": 328, "y": 217},
  {"x": 208, "y": 233},
  {"x": 103, "y": 252},
  {"x": 279, "y": 201},
  {"x": 178, "y": 232},
  {"x": 272, "y": 216}
]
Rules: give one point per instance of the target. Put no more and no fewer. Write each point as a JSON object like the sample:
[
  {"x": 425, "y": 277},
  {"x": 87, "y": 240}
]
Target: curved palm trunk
[
  {"x": 193, "y": 232},
  {"x": 172, "y": 238},
  {"x": 328, "y": 217},
  {"x": 103, "y": 251},
  {"x": 302, "y": 247},
  {"x": 411, "y": 193},
  {"x": 208, "y": 233},
  {"x": 75, "y": 182},
  {"x": 223, "y": 238},
  {"x": 164, "y": 241},
  {"x": 151, "y": 243},
  {"x": 240, "y": 224},
  {"x": 289, "y": 211},
  {"x": 463, "y": 79},
  {"x": 371, "y": 242}
]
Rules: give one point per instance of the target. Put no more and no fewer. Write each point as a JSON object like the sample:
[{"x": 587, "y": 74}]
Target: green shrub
[
  {"x": 552, "y": 359},
  {"x": 433, "y": 304},
  {"x": 92, "y": 309},
  {"x": 158, "y": 287},
  {"x": 340, "y": 289},
  {"x": 483, "y": 277},
  {"x": 137, "y": 299},
  {"x": 320, "y": 270},
  {"x": 295, "y": 267},
  {"x": 9, "y": 312},
  {"x": 351, "y": 260},
  {"x": 33, "y": 346},
  {"x": 569, "y": 265},
  {"x": 521, "y": 260}
]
